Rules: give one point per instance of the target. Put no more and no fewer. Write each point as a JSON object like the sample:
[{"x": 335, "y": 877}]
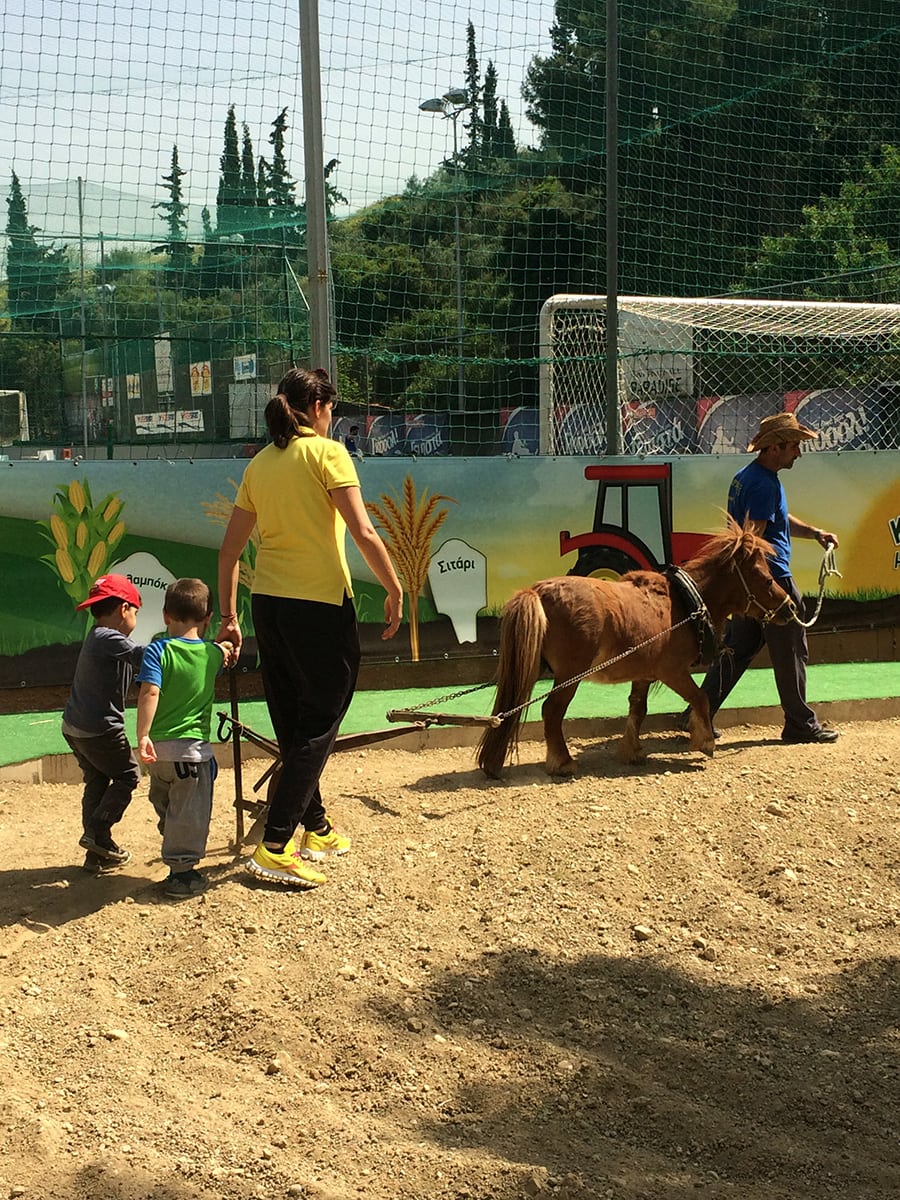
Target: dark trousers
[
  {"x": 309, "y": 659},
  {"x": 789, "y": 652},
  {"x": 111, "y": 773}
]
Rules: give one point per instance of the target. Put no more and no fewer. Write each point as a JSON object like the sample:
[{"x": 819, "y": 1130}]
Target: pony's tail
[{"x": 522, "y": 630}]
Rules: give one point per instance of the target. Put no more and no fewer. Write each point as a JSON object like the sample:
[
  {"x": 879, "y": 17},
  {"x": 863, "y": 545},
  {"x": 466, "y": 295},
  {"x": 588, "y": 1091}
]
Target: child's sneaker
[
  {"x": 184, "y": 885},
  {"x": 95, "y": 865},
  {"x": 285, "y": 867},
  {"x": 104, "y": 847},
  {"x": 318, "y": 845}
]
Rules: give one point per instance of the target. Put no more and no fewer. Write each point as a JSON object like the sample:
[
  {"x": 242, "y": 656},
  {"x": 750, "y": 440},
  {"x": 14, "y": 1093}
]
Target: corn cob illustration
[{"x": 83, "y": 536}]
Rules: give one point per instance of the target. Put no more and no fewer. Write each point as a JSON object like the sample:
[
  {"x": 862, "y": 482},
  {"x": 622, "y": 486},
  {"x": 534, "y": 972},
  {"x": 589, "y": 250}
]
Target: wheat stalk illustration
[
  {"x": 219, "y": 512},
  {"x": 83, "y": 535},
  {"x": 410, "y": 524}
]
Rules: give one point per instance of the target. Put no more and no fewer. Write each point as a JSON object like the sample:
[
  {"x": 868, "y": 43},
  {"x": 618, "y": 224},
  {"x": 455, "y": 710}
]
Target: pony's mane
[{"x": 733, "y": 541}]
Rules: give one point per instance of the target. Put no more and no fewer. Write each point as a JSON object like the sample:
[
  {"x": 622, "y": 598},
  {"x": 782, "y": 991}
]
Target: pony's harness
[
  {"x": 707, "y": 639},
  {"x": 768, "y": 614}
]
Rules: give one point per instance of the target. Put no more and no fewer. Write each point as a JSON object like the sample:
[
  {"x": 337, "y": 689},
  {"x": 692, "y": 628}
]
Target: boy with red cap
[{"x": 94, "y": 717}]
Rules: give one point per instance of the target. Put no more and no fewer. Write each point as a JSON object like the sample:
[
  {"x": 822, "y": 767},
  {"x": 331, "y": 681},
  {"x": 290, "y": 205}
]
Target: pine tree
[
  {"x": 36, "y": 275},
  {"x": 332, "y": 195},
  {"x": 173, "y": 212}
]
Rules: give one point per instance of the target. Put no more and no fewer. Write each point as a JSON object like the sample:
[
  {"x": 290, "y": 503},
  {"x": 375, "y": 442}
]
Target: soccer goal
[{"x": 697, "y": 375}]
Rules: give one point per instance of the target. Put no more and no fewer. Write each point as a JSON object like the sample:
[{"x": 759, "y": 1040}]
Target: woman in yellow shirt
[{"x": 303, "y": 493}]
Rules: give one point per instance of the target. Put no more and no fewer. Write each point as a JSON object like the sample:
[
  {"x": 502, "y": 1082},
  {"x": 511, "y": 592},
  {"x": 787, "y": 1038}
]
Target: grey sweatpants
[{"x": 181, "y": 793}]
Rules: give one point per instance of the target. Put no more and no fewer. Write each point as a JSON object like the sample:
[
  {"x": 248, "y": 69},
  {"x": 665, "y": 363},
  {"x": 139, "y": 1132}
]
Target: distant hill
[{"x": 121, "y": 216}]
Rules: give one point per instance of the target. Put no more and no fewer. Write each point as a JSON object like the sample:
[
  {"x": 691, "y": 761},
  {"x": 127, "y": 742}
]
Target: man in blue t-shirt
[{"x": 756, "y": 492}]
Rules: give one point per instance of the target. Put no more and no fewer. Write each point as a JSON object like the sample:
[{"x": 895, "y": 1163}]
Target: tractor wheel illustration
[{"x": 604, "y": 562}]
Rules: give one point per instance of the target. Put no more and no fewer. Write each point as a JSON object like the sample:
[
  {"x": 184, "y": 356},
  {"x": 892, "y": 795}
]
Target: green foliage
[{"x": 847, "y": 247}]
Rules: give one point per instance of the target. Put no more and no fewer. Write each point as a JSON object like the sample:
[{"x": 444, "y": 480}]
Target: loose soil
[{"x": 667, "y": 981}]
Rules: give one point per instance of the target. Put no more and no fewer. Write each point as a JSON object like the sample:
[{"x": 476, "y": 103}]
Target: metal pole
[
  {"x": 461, "y": 370},
  {"x": 84, "y": 408},
  {"x": 611, "y": 381},
  {"x": 316, "y": 222}
]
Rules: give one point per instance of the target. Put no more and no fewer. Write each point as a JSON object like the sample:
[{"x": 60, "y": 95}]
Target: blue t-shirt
[
  {"x": 756, "y": 492},
  {"x": 103, "y": 675}
]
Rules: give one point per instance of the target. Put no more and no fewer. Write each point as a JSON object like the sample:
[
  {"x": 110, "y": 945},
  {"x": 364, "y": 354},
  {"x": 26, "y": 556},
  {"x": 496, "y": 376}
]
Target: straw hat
[{"x": 782, "y": 427}]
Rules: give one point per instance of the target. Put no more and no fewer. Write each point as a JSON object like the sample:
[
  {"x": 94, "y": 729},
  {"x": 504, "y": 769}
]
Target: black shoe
[
  {"x": 183, "y": 885},
  {"x": 104, "y": 847},
  {"x": 806, "y": 737},
  {"x": 683, "y": 722},
  {"x": 95, "y": 865}
]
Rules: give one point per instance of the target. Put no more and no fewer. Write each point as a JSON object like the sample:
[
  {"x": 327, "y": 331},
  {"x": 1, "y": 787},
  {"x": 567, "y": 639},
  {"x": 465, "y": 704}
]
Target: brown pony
[{"x": 572, "y": 623}]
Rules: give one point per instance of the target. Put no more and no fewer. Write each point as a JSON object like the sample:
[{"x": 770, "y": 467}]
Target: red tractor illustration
[{"x": 632, "y": 524}]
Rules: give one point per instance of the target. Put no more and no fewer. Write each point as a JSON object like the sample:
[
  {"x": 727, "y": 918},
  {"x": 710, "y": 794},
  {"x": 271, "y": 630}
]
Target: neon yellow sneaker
[
  {"x": 318, "y": 845},
  {"x": 286, "y": 867}
]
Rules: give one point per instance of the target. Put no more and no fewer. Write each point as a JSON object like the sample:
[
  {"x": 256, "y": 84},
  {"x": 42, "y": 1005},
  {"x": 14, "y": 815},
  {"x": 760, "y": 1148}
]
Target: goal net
[{"x": 698, "y": 375}]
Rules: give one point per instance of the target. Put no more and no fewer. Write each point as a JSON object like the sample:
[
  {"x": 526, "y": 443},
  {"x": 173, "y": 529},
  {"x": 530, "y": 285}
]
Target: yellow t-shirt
[{"x": 301, "y": 553}]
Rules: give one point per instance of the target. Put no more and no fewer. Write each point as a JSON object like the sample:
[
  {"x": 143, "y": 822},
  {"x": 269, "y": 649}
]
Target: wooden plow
[{"x": 232, "y": 729}]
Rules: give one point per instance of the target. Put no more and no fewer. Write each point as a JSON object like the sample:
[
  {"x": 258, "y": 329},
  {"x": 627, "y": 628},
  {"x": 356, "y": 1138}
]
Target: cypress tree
[
  {"x": 262, "y": 183},
  {"x": 280, "y": 191},
  {"x": 474, "y": 125},
  {"x": 35, "y": 274},
  {"x": 228, "y": 197},
  {"x": 490, "y": 130},
  {"x": 248, "y": 176},
  {"x": 505, "y": 141}
]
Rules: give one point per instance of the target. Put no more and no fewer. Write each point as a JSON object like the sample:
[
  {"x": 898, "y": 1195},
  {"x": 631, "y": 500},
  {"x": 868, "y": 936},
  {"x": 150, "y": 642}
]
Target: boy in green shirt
[{"x": 177, "y": 679}]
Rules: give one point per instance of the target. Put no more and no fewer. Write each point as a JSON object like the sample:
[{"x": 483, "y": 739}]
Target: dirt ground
[{"x": 667, "y": 981}]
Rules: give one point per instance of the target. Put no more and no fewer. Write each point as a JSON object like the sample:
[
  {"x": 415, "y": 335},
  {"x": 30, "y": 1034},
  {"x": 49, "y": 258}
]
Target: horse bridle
[{"x": 768, "y": 614}]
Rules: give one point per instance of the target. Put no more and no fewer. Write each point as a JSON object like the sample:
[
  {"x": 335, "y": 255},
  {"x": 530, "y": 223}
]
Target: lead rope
[
  {"x": 826, "y": 570},
  {"x": 566, "y": 683},
  {"x": 592, "y": 670}
]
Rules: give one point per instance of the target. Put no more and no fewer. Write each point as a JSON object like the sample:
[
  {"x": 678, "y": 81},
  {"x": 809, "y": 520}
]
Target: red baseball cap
[{"x": 112, "y": 587}]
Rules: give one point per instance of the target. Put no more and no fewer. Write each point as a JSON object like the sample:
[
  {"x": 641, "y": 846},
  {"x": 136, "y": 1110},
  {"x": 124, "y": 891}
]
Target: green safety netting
[{"x": 154, "y": 276}]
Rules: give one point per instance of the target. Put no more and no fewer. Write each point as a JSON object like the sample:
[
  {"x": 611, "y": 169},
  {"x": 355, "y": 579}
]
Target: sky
[{"x": 103, "y": 91}]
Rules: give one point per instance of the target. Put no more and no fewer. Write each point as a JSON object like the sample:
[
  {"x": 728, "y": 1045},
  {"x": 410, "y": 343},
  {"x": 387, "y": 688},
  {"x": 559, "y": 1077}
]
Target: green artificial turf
[{"x": 29, "y": 736}]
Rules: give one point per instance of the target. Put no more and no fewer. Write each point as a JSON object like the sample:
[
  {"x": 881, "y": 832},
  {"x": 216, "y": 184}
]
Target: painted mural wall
[{"x": 477, "y": 528}]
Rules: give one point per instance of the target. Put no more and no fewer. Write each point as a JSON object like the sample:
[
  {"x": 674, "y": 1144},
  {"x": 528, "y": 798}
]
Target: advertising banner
[
  {"x": 183, "y": 421},
  {"x": 162, "y": 359},
  {"x": 520, "y": 431},
  {"x": 665, "y": 426},
  {"x": 581, "y": 431},
  {"x": 727, "y": 423},
  {"x": 245, "y": 366},
  {"x": 427, "y": 434},
  {"x": 201, "y": 378},
  {"x": 849, "y": 418},
  {"x": 386, "y": 435}
]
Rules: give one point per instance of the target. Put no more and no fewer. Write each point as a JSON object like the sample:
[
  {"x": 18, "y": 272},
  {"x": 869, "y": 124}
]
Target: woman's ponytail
[{"x": 288, "y": 411}]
